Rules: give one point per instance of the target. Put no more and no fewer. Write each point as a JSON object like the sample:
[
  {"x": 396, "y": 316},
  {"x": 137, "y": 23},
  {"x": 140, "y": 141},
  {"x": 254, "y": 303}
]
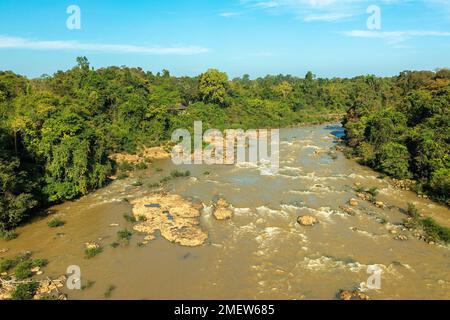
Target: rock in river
[
  {"x": 222, "y": 210},
  {"x": 307, "y": 221},
  {"x": 176, "y": 218}
]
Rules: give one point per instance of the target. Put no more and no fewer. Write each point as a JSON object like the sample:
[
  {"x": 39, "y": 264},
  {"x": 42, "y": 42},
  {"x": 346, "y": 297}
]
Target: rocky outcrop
[
  {"x": 222, "y": 210},
  {"x": 348, "y": 210},
  {"x": 147, "y": 155},
  {"x": 175, "y": 217}
]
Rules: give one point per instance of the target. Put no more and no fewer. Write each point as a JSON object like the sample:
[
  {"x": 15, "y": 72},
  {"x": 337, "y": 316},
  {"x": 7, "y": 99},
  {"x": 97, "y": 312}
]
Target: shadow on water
[{"x": 336, "y": 130}]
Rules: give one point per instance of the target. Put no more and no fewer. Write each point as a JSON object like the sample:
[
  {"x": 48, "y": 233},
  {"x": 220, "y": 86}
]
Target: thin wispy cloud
[
  {"x": 310, "y": 10},
  {"x": 7, "y": 42},
  {"x": 327, "y": 17},
  {"x": 229, "y": 14},
  {"x": 331, "y": 10},
  {"x": 395, "y": 38}
]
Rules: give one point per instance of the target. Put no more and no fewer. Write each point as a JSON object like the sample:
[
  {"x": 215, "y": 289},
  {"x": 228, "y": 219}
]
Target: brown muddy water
[{"x": 262, "y": 253}]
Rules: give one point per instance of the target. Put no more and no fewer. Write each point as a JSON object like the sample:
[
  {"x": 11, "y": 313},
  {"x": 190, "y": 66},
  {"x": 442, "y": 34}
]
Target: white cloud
[
  {"x": 7, "y": 42},
  {"x": 394, "y": 38},
  {"x": 311, "y": 10},
  {"x": 328, "y": 17},
  {"x": 229, "y": 14}
]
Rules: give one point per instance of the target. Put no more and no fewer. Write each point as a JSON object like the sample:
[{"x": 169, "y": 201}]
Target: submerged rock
[
  {"x": 348, "y": 210},
  {"x": 222, "y": 210},
  {"x": 401, "y": 237},
  {"x": 176, "y": 219},
  {"x": 307, "y": 221},
  {"x": 379, "y": 204},
  {"x": 364, "y": 196}
]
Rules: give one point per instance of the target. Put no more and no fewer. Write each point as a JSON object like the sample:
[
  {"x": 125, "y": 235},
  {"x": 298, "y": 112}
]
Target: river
[{"x": 262, "y": 253}]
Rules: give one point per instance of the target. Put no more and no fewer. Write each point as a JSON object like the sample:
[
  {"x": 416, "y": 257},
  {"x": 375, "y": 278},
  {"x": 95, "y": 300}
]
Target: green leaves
[{"x": 213, "y": 86}]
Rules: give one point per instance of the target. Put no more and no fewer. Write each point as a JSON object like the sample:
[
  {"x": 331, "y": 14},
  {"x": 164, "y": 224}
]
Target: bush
[
  {"x": 126, "y": 166},
  {"x": 440, "y": 184},
  {"x": 434, "y": 231},
  {"x": 412, "y": 211},
  {"x": 141, "y": 166},
  {"x": 92, "y": 252},
  {"x": 25, "y": 291},
  {"x": 23, "y": 270},
  {"x": 114, "y": 245},
  {"x": 129, "y": 218},
  {"x": 40, "y": 263},
  {"x": 55, "y": 223},
  {"x": 109, "y": 291},
  {"x": 124, "y": 234},
  {"x": 178, "y": 174},
  {"x": 8, "y": 235},
  {"x": 122, "y": 176}
]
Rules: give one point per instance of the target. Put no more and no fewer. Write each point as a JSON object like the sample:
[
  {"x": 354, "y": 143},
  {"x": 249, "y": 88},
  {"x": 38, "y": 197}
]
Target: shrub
[
  {"x": 412, "y": 211},
  {"x": 122, "y": 176},
  {"x": 109, "y": 291},
  {"x": 92, "y": 252},
  {"x": 434, "y": 231},
  {"x": 55, "y": 223},
  {"x": 178, "y": 174},
  {"x": 142, "y": 218},
  {"x": 7, "y": 264},
  {"x": 440, "y": 184},
  {"x": 141, "y": 166},
  {"x": 124, "y": 234},
  {"x": 39, "y": 263},
  {"x": 8, "y": 235},
  {"x": 23, "y": 270},
  {"x": 129, "y": 218},
  {"x": 126, "y": 166},
  {"x": 154, "y": 185},
  {"x": 88, "y": 285},
  {"x": 25, "y": 291}
]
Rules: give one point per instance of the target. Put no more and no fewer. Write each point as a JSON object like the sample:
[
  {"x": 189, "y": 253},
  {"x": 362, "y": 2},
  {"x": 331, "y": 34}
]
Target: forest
[{"x": 57, "y": 132}]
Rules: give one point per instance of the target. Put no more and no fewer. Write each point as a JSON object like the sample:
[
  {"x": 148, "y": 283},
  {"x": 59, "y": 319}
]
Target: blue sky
[{"x": 257, "y": 37}]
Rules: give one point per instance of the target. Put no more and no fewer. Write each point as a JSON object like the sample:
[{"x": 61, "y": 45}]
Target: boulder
[
  {"x": 379, "y": 204},
  {"x": 307, "y": 221},
  {"x": 353, "y": 202},
  {"x": 222, "y": 210}
]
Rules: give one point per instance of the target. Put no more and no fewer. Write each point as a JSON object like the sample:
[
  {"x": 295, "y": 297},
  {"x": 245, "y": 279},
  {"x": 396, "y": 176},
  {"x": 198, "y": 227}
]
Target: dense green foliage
[
  {"x": 57, "y": 132},
  {"x": 401, "y": 126}
]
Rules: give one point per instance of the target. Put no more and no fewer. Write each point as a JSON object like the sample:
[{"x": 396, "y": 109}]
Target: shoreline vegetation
[{"x": 66, "y": 135}]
